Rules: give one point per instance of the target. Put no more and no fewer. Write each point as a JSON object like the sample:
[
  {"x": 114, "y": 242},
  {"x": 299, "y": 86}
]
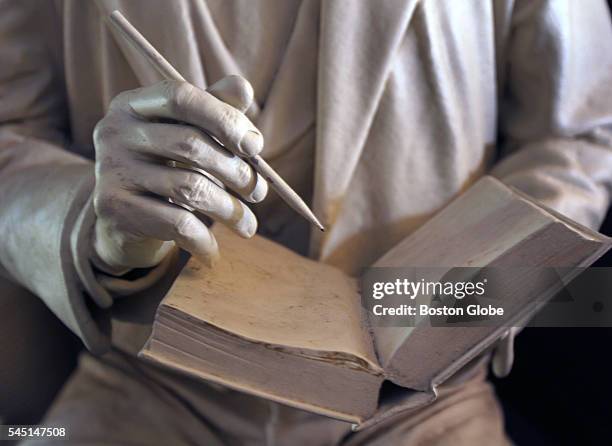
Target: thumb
[{"x": 234, "y": 90}]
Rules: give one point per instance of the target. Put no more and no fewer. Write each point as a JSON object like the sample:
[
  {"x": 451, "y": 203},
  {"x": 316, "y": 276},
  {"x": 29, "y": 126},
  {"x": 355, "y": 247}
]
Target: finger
[
  {"x": 233, "y": 90},
  {"x": 153, "y": 218},
  {"x": 191, "y": 146},
  {"x": 184, "y": 102},
  {"x": 195, "y": 190}
]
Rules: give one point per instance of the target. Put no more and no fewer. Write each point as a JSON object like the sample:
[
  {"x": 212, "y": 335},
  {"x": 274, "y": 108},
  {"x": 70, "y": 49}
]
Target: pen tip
[{"x": 315, "y": 221}]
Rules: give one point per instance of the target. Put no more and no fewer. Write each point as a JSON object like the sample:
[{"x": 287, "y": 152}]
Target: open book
[{"x": 271, "y": 323}]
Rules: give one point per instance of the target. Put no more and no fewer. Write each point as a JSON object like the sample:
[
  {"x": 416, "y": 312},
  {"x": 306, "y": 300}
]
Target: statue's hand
[{"x": 152, "y": 150}]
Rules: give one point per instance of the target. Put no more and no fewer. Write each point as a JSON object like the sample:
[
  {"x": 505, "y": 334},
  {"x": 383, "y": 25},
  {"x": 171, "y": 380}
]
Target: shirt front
[{"x": 274, "y": 45}]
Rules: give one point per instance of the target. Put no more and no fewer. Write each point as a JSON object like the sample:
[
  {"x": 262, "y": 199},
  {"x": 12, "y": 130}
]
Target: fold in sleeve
[
  {"x": 556, "y": 107},
  {"x": 46, "y": 217}
]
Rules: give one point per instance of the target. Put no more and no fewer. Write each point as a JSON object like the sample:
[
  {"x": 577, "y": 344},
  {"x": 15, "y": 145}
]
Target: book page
[
  {"x": 489, "y": 225},
  {"x": 473, "y": 230},
  {"x": 264, "y": 292}
]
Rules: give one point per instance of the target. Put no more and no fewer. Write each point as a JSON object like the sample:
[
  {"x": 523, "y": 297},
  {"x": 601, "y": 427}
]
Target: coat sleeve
[
  {"x": 46, "y": 212},
  {"x": 556, "y": 106},
  {"x": 44, "y": 189}
]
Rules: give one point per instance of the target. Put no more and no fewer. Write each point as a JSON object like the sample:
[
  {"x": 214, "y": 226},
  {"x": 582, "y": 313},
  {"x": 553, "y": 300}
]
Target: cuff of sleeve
[
  {"x": 120, "y": 287},
  {"x": 88, "y": 319},
  {"x": 82, "y": 253},
  {"x": 101, "y": 286}
]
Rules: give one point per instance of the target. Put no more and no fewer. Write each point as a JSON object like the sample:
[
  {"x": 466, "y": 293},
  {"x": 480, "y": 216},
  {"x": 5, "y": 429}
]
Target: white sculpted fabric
[{"x": 415, "y": 100}]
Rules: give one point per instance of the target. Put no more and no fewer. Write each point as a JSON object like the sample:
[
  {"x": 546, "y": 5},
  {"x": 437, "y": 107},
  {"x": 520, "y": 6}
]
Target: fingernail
[
  {"x": 210, "y": 256},
  {"x": 251, "y": 143},
  {"x": 247, "y": 227},
  {"x": 252, "y": 228},
  {"x": 260, "y": 191},
  {"x": 209, "y": 259}
]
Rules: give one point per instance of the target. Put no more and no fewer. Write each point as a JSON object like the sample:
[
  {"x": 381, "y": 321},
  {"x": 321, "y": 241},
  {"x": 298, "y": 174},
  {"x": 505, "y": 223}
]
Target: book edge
[
  {"x": 372, "y": 368},
  {"x": 149, "y": 355}
]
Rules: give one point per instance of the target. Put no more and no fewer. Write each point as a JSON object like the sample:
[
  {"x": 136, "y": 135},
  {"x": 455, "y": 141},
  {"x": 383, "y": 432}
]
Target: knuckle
[
  {"x": 122, "y": 99},
  {"x": 179, "y": 94},
  {"x": 246, "y": 91},
  {"x": 104, "y": 203},
  {"x": 197, "y": 189},
  {"x": 188, "y": 147},
  {"x": 244, "y": 174},
  {"x": 109, "y": 165},
  {"x": 229, "y": 119},
  {"x": 241, "y": 82},
  {"x": 243, "y": 88},
  {"x": 104, "y": 132},
  {"x": 204, "y": 191}
]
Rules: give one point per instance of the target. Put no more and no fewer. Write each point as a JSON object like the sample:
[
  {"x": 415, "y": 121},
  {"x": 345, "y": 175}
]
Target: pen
[{"x": 164, "y": 67}]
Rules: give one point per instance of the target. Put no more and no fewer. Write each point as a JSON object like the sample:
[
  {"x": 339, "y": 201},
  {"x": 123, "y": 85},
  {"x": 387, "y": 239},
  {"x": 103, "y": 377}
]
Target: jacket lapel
[{"x": 356, "y": 47}]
